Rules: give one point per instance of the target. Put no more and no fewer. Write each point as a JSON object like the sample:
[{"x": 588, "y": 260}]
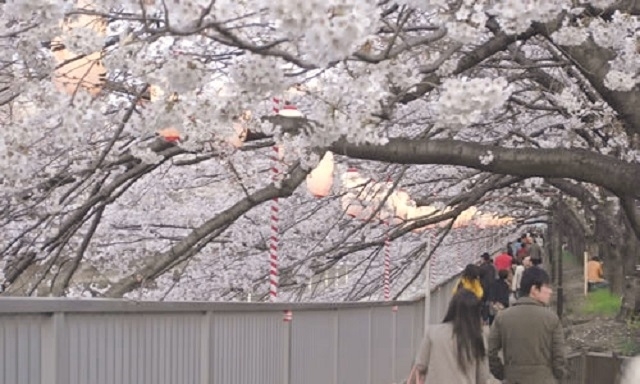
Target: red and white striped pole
[
  {"x": 275, "y": 235},
  {"x": 387, "y": 264},
  {"x": 287, "y": 110},
  {"x": 273, "y": 218}
]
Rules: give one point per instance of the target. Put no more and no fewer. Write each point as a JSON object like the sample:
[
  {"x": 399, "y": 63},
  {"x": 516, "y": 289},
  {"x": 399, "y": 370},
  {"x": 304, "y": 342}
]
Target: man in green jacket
[{"x": 529, "y": 335}]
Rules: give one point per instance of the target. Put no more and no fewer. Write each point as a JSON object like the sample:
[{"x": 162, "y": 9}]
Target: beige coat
[
  {"x": 438, "y": 358},
  {"x": 531, "y": 339}
]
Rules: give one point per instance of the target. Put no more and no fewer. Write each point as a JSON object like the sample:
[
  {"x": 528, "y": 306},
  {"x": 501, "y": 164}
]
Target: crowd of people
[
  {"x": 525, "y": 343},
  {"x": 506, "y": 297},
  {"x": 496, "y": 282}
]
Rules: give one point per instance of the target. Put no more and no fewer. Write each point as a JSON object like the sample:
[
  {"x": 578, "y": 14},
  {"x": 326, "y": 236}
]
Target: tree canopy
[{"x": 454, "y": 104}]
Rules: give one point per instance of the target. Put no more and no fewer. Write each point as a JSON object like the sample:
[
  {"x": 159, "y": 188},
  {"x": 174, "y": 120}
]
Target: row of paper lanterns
[{"x": 364, "y": 196}]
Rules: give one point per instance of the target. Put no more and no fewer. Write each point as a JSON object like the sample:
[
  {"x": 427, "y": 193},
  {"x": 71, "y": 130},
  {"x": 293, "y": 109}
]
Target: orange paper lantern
[
  {"x": 170, "y": 135},
  {"x": 320, "y": 180},
  {"x": 352, "y": 207}
]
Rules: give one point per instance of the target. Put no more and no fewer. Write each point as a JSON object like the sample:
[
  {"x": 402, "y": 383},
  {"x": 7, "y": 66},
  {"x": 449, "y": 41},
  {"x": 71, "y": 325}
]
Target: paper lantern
[
  {"x": 418, "y": 213},
  {"x": 85, "y": 73},
  {"x": 464, "y": 218},
  {"x": 290, "y": 110},
  {"x": 401, "y": 201},
  {"x": 320, "y": 180},
  {"x": 352, "y": 207},
  {"x": 351, "y": 179},
  {"x": 240, "y": 136},
  {"x": 79, "y": 73},
  {"x": 170, "y": 135},
  {"x": 351, "y": 204}
]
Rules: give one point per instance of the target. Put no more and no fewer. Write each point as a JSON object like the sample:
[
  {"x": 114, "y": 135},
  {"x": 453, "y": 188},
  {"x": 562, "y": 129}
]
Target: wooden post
[{"x": 586, "y": 273}]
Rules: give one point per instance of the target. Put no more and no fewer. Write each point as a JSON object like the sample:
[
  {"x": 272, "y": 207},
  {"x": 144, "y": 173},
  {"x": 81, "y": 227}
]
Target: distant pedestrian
[
  {"x": 536, "y": 251},
  {"x": 499, "y": 297},
  {"x": 517, "y": 278},
  {"x": 454, "y": 352},
  {"x": 487, "y": 278},
  {"x": 504, "y": 260}
]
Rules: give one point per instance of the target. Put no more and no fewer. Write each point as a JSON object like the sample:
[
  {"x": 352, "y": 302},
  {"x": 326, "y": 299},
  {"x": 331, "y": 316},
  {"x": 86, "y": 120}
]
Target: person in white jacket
[{"x": 517, "y": 275}]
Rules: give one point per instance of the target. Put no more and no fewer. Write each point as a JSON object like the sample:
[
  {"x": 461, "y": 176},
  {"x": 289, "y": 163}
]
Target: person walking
[
  {"x": 529, "y": 335},
  {"x": 487, "y": 278},
  {"x": 517, "y": 278},
  {"x": 471, "y": 280},
  {"x": 454, "y": 351},
  {"x": 504, "y": 260},
  {"x": 499, "y": 295}
]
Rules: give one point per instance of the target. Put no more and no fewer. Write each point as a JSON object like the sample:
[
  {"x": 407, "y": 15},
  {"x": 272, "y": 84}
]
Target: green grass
[{"x": 602, "y": 302}]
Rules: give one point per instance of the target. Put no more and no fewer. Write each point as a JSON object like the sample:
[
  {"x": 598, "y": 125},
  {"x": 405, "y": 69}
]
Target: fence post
[
  {"x": 53, "y": 350},
  {"x": 586, "y": 273}
]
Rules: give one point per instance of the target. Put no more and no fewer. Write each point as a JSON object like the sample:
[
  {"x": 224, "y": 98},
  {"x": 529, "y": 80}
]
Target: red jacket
[{"x": 503, "y": 261}]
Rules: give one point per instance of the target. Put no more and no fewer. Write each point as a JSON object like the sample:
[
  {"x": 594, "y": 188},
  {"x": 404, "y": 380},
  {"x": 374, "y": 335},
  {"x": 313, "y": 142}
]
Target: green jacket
[{"x": 531, "y": 339}]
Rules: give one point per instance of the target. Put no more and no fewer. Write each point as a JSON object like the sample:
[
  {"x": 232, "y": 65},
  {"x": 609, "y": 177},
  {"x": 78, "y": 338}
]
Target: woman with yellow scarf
[{"x": 471, "y": 280}]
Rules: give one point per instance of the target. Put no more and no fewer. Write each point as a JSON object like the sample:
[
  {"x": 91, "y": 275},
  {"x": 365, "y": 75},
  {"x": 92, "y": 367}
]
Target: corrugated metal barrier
[{"x": 67, "y": 341}]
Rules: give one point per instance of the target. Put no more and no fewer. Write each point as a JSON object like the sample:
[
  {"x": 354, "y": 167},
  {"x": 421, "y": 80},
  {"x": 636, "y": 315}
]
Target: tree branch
[
  {"x": 619, "y": 176},
  {"x": 159, "y": 261}
]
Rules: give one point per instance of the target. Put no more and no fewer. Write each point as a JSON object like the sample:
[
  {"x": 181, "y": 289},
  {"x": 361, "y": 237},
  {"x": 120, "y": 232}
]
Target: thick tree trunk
[{"x": 631, "y": 289}]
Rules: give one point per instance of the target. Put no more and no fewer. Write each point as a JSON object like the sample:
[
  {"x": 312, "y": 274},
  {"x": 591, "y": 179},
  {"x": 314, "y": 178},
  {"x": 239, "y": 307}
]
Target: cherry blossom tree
[{"x": 458, "y": 103}]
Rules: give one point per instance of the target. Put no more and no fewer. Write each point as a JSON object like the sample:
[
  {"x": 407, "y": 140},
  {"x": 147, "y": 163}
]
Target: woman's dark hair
[
  {"x": 503, "y": 274},
  {"x": 472, "y": 272},
  {"x": 464, "y": 314}
]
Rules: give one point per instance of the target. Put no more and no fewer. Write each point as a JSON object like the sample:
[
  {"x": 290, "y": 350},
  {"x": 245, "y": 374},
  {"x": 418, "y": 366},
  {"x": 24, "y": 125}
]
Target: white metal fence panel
[
  {"x": 354, "y": 343},
  {"x": 248, "y": 348},
  {"x": 20, "y": 349},
  {"x": 57, "y": 341},
  {"x": 382, "y": 351},
  {"x": 408, "y": 336},
  {"x": 130, "y": 348},
  {"x": 314, "y": 352}
]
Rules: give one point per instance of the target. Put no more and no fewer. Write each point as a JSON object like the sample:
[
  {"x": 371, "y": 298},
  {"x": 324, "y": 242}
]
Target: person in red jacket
[{"x": 504, "y": 260}]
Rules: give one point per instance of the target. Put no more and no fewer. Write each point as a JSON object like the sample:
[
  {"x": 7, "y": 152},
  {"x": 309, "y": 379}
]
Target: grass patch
[{"x": 602, "y": 302}]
